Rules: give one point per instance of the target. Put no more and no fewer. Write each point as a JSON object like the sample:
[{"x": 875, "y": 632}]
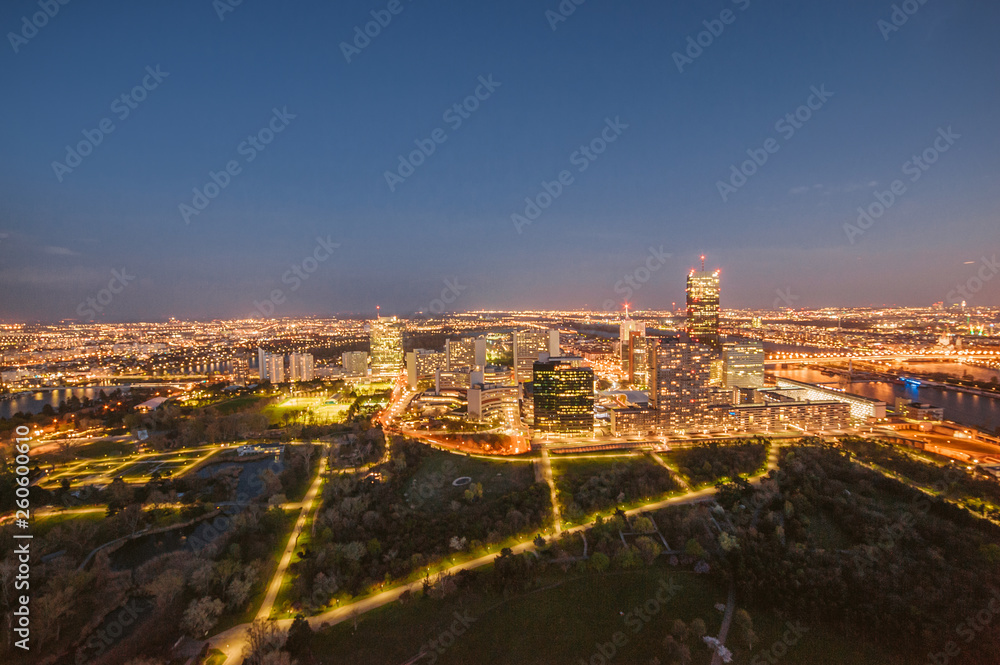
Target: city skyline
[{"x": 596, "y": 153}]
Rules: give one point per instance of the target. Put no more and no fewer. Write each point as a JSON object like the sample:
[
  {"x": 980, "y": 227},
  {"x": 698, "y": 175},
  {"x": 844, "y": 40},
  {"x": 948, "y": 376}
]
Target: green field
[
  {"x": 431, "y": 486},
  {"x": 567, "y": 622},
  {"x": 239, "y": 404}
]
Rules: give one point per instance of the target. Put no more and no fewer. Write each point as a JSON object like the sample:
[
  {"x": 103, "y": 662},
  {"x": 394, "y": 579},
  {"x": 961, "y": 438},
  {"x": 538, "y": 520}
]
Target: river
[
  {"x": 964, "y": 408},
  {"x": 35, "y": 401}
]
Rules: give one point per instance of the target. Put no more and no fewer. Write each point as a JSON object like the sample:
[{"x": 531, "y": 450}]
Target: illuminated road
[
  {"x": 547, "y": 475},
  {"x": 308, "y": 505},
  {"x": 232, "y": 641}
]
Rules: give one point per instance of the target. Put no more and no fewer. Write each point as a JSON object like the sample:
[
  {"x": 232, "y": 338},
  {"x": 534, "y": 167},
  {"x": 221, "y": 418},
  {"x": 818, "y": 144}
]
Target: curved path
[{"x": 232, "y": 641}]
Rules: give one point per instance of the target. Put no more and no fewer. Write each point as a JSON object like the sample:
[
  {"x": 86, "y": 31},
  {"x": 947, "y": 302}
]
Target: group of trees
[
  {"x": 974, "y": 487},
  {"x": 705, "y": 464},
  {"x": 367, "y": 532},
  {"x": 586, "y": 488},
  {"x": 900, "y": 567}
]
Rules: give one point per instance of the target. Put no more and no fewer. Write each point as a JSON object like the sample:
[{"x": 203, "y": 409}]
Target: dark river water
[
  {"x": 35, "y": 401},
  {"x": 964, "y": 408}
]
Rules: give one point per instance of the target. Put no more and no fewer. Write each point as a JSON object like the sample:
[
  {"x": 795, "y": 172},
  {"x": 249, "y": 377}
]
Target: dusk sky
[{"x": 63, "y": 231}]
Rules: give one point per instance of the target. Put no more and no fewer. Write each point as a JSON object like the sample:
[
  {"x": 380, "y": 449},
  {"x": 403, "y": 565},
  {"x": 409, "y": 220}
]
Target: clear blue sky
[{"x": 656, "y": 185}]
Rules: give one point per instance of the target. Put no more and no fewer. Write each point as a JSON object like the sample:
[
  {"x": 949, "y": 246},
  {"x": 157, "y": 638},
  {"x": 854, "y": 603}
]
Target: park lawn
[
  {"x": 570, "y": 619},
  {"x": 698, "y": 473},
  {"x": 40, "y": 526},
  {"x": 275, "y": 413},
  {"x": 431, "y": 486},
  {"x": 95, "y": 450},
  {"x": 236, "y": 404},
  {"x": 819, "y": 645},
  {"x": 560, "y": 623}
]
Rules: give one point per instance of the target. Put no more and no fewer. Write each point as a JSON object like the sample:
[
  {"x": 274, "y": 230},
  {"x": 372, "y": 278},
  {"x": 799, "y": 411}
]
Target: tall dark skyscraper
[
  {"x": 563, "y": 396},
  {"x": 703, "y": 306}
]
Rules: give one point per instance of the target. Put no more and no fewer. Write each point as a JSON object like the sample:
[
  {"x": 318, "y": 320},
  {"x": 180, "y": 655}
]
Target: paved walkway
[{"x": 232, "y": 641}]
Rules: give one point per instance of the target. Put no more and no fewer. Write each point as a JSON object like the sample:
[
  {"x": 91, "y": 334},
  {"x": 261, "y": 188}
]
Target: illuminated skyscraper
[
  {"x": 355, "y": 363},
  {"x": 679, "y": 374},
  {"x": 301, "y": 367},
  {"x": 386, "y": 338},
  {"x": 743, "y": 364},
  {"x": 563, "y": 395},
  {"x": 703, "y": 306},
  {"x": 467, "y": 352},
  {"x": 627, "y": 331},
  {"x": 423, "y": 363},
  {"x": 528, "y": 347},
  {"x": 275, "y": 368}
]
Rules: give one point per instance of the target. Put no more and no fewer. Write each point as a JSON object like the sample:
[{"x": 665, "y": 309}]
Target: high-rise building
[
  {"x": 703, "y": 306},
  {"x": 421, "y": 364},
  {"x": 355, "y": 363},
  {"x": 262, "y": 364},
  {"x": 386, "y": 348},
  {"x": 638, "y": 365},
  {"x": 301, "y": 367},
  {"x": 529, "y": 345},
  {"x": 497, "y": 403},
  {"x": 743, "y": 364},
  {"x": 679, "y": 375},
  {"x": 630, "y": 333},
  {"x": 563, "y": 395},
  {"x": 275, "y": 367},
  {"x": 467, "y": 352}
]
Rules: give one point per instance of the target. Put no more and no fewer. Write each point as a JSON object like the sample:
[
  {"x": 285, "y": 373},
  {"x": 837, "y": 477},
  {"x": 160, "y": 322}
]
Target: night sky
[{"x": 609, "y": 68}]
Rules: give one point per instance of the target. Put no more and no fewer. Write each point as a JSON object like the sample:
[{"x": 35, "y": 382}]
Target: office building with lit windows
[
  {"x": 679, "y": 383},
  {"x": 563, "y": 395},
  {"x": 355, "y": 363},
  {"x": 743, "y": 364},
  {"x": 529, "y": 345},
  {"x": 703, "y": 306},
  {"x": 275, "y": 364},
  {"x": 467, "y": 352},
  {"x": 386, "y": 337},
  {"x": 422, "y": 364},
  {"x": 301, "y": 367}
]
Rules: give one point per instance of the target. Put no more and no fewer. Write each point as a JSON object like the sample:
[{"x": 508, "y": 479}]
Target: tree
[
  {"x": 264, "y": 638},
  {"x": 745, "y": 625},
  {"x": 300, "y": 635},
  {"x": 697, "y": 627},
  {"x": 694, "y": 548},
  {"x": 600, "y": 562},
  {"x": 201, "y": 615}
]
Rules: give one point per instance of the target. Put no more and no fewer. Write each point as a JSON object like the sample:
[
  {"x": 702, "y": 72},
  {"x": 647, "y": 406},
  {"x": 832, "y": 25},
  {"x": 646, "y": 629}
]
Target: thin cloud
[{"x": 59, "y": 251}]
